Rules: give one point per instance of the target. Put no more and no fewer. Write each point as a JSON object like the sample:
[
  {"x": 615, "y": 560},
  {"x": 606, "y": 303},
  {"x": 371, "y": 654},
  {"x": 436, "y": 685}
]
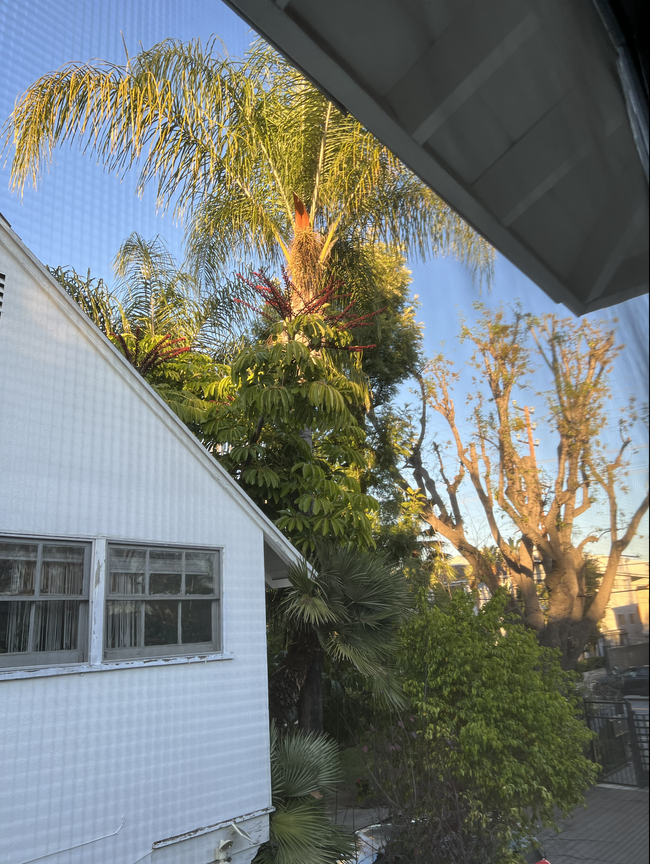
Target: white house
[{"x": 133, "y": 681}]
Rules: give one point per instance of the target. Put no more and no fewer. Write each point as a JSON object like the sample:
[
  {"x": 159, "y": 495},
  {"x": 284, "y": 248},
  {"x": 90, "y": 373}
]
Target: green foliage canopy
[
  {"x": 502, "y": 708},
  {"x": 283, "y": 423}
]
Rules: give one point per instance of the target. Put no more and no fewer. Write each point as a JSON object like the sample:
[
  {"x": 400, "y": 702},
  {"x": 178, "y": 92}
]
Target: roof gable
[{"x": 280, "y": 551}]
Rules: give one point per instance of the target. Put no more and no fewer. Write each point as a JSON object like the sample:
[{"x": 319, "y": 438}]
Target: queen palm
[{"x": 254, "y": 160}]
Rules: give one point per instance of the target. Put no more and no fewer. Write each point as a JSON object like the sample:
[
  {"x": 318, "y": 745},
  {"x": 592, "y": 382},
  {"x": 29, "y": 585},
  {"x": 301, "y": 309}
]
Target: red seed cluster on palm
[
  {"x": 281, "y": 299},
  {"x": 162, "y": 352}
]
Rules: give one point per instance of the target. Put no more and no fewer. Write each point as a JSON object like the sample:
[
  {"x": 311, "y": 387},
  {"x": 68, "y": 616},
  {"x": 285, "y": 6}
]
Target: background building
[{"x": 626, "y": 617}]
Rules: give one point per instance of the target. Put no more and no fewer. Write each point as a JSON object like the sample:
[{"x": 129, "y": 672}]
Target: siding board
[{"x": 89, "y": 453}]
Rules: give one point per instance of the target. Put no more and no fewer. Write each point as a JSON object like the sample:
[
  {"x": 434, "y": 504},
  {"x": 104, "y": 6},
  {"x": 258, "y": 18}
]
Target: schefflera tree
[{"x": 285, "y": 417}]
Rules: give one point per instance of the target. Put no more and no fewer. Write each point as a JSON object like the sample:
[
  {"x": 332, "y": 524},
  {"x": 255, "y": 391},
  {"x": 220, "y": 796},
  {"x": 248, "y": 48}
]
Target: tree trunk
[
  {"x": 571, "y": 637},
  {"x": 287, "y": 682},
  {"x": 310, "y": 703}
]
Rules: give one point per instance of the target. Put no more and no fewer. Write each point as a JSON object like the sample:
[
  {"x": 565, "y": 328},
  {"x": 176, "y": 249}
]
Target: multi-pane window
[
  {"x": 43, "y": 602},
  {"x": 161, "y": 602}
]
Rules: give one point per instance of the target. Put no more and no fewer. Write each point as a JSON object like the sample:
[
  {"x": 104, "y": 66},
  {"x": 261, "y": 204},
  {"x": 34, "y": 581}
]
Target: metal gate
[
  {"x": 638, "y": 722},
  {"x": 621, "y": 743}
]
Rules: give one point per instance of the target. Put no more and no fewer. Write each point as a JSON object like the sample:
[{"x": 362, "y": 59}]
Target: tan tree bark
[{"x": 504, "y": 474}]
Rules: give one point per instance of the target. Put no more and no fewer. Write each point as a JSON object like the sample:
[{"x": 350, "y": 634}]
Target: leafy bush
[{"x": 493, "y": 744}]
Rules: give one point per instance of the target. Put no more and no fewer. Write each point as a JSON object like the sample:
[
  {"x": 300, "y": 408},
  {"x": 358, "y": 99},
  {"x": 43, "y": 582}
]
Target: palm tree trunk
[
  {"x": 287, "y": 682},
  {"x": 310, "y": 703}
]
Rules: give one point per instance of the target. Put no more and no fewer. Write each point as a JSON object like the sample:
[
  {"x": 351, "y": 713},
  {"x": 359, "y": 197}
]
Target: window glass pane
[
  {"x": 165, "y": 562},
  {"x": 161, "y": 623},
  {"x": 127, "y": 571},
  {"x": 128, "y": 560},
  {"x": 164, "y": 583},
  {"x": 14, "y": 626},
  {"x": 165, "y": 570},
  {"x": 196, "y": 621},
  {"x": 68, "y": 554},
  {"x": 17, "y": 568},
  {"x": 127, "y": 583},
  {"x": 63, "y": 570},
  {"x": 200, "y": 562},
  {"x": 199, "y": 573},
  {"x": 123, "y": 624},
  {"x": 198, "y": 583},
  {"x": 56, "y": 625}
]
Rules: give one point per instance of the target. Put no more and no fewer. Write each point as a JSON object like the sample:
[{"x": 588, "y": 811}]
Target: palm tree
[
  {"x": 347, "y": 609},
  {"x": 162, "y": 297},
  {"x": 305, "y": 769},
  {"x": 256, "y": 161},
  {"x": 157, "y": 317}
]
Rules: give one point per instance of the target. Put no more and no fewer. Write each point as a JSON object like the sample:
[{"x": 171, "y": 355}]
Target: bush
[{"x": 493, "y": 744}]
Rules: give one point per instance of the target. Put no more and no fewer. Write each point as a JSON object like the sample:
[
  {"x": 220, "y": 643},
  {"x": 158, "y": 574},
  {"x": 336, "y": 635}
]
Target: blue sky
[{"x": 80, "y": 215}]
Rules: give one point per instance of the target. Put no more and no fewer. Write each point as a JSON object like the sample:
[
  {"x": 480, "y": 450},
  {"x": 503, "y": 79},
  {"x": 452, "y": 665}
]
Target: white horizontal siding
[{"x": 86, "y": 453}]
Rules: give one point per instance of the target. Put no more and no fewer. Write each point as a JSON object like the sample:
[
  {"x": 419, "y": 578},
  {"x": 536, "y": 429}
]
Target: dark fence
[
  {"x": 638, "y": 722},
  {"x": 620, "y": 746}
]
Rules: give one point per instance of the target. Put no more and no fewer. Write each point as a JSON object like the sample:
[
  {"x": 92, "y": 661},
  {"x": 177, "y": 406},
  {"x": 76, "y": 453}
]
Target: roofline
[
  {"x": 296, "y": 40},
  {"x": 328, "y": 74},
  {"x": 276, "y": 539}
]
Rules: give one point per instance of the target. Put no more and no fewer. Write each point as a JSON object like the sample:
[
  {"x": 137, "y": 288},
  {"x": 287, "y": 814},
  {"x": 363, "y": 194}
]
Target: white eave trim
[{"x": 269, "y": 19}]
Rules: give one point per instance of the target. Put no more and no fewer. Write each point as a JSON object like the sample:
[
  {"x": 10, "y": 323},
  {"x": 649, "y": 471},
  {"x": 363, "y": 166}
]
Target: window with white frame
[
  {"x": 43, "y": 602},
  {"x": 161, "y": 602}
]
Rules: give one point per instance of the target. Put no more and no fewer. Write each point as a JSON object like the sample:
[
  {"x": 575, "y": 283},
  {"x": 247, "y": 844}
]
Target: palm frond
[
  {"x": 304, "y": 769},
  {"x": 227, "y": 142},
  {"x": 306, "y": 602},
  {"x": 302, "y": 833},
  {"x": 158, "y": 294},
  {"x": 99, "y": 303},
  {"x": 304, "y": 763}
]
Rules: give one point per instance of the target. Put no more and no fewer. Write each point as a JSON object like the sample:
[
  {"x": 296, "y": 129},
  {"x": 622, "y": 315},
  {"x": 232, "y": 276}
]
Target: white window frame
[
  {"x": 35, "y": 659},
  {"x": 179, "y": 650}
]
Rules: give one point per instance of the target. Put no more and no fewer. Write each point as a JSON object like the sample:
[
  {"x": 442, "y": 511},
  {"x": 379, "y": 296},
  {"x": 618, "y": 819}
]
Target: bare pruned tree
[{"x": 498, "y": 459}]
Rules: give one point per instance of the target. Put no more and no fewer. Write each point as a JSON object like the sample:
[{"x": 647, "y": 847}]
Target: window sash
[
  {"x": 184, "y": 573},
  {"x": 49, "y": 617}
]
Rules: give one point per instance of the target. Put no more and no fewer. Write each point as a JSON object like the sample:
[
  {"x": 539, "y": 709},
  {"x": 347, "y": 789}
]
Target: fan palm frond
[
  {"x": 352, "y": 602},
  {"x": 305, "y": 768},
  {"x": 304, "y": 764},
  {"x": 302, "y": 833},
  {"x": 306, "y": 603}
]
